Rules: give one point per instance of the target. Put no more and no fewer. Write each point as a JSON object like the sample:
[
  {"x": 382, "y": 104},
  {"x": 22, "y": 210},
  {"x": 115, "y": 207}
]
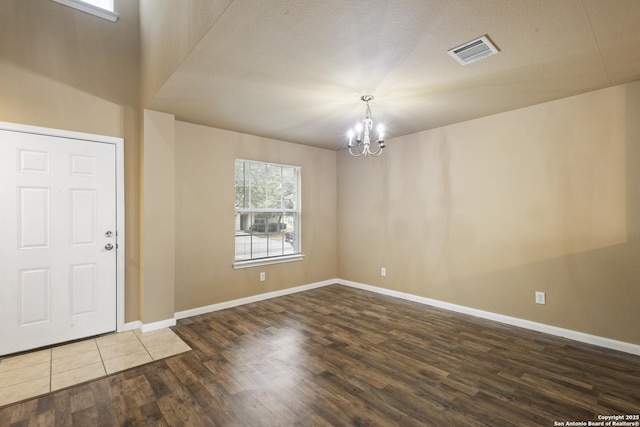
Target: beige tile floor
[{"x": 32, "y": 374}]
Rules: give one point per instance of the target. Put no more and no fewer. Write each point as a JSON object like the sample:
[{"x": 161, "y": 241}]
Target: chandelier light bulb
[
  {"x": 359, "y": 131},
  {"x": 350, "y": 135}
]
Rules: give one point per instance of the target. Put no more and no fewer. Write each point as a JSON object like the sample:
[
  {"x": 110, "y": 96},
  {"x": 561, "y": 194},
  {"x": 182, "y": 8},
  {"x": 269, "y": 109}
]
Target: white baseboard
[
  {"x": 254, "y": 298},
  {"x": 148, "y": 327},
  {"x": 131, "y": 326},
  {"x": 514, "y": 321}
]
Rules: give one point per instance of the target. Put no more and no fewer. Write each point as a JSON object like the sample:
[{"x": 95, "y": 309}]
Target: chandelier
[{"x": 361, "y": 146}]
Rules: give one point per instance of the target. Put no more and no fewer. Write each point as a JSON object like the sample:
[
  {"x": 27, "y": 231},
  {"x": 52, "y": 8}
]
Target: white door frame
[{"x": 120, "y": 229}]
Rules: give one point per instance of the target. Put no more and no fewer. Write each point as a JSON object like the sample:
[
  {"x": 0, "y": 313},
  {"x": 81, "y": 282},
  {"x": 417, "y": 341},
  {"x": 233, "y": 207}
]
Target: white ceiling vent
[{"x": 473, "y": 50}]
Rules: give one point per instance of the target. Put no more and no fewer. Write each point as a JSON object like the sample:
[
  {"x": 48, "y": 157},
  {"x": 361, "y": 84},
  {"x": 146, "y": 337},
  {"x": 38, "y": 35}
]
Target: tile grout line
[
  {"x": 145, "y": 348},
  {"x": 104, "y": 367}
]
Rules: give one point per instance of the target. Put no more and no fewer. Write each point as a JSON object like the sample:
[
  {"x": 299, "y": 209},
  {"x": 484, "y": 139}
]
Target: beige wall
[
  {"x": 169, "y": 31},
  {"x": 205, "y": 216},
  {"x": 484, "y": 213},
  {"x": 61, "y": 68},
  {"x": 157, "y": 279}
]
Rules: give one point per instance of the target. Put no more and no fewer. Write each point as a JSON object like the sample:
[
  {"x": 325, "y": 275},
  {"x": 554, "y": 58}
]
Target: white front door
[{"x": 57, "y": 240}]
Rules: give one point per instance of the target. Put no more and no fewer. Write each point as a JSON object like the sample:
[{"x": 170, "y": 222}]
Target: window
[
  {"x": 101, "y": 8},
  {"x": 267, "y": 213}
]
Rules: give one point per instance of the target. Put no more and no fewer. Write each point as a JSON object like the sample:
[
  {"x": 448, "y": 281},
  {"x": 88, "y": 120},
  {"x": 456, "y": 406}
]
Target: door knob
[{"x": 108, "y": 246}]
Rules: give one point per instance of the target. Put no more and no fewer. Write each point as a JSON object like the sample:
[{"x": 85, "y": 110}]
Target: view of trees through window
[{"x": 266, "y": 210}]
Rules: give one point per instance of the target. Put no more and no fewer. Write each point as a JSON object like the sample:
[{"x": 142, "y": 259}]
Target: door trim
[{"x": 120, "y": 217}]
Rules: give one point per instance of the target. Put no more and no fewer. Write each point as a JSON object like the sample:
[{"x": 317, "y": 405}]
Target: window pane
[
  {"x": 289, "y": 185},
  {"x": 274, "y": 173},
  {"x": 240, "y": 197},
  {"x": 243, "y": 247},
  {"x": 256, "y": 176},
  {"x": 274, "y": 187},
  {"x": 291, "y": 232},
  {"x": 262, "y": 228},
  {"x": 257, "y": 197},
  {"x": 239, "y": 172},
  {"x": 256, "y": 173},
  {"x": 241, "y": 191},
  {"x": 243, "y": 237}
]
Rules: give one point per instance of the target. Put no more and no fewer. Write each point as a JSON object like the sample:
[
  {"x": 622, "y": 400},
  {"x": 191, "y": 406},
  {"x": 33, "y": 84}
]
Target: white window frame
[
  {"x": 276, "y": 259},
  {"x": 92, "y": 8}
]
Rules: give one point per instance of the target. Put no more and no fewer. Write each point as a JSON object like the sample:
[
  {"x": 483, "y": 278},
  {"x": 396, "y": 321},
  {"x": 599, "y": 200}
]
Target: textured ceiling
[{"x": 295, "y": 70}]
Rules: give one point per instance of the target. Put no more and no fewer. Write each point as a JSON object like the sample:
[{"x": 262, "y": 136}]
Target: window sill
[{"x": 266, "y": 261}]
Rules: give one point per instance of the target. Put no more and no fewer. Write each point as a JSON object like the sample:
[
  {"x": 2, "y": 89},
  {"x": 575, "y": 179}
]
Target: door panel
[
  {"x": 84, "y": 289},
  {"x": 34, "y": 219},
  {"x": 83, "y": 217},
  {"x": 34, "y": 296},
  {"x": 57, "y": 275}
]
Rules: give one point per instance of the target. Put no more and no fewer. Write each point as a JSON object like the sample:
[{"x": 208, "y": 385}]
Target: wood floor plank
[
  {"x": 151, "y": 415},
  {"x": 342, "y": 356}
]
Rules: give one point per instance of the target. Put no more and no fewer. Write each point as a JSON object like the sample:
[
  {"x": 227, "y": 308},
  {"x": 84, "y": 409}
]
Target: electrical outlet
[
  {"x": 263, "y": 276},
  {"x": 383, "y": 272},
  {"x": 541, "y": 298}
]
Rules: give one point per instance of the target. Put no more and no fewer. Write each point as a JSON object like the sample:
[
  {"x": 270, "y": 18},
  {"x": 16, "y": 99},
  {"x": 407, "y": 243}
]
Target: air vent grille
[{"x": 473, "y": 50}]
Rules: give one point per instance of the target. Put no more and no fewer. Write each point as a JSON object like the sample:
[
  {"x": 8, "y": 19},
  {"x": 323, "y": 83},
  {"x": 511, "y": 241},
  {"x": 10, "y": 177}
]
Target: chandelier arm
[
  {"x": 378, "y": 152},
  {"x": 357, "y": 153}
]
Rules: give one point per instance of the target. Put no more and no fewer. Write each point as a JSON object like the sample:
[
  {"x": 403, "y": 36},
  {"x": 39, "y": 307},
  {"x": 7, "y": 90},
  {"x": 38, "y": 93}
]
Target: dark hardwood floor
[{"x": 341, "y": 356}]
